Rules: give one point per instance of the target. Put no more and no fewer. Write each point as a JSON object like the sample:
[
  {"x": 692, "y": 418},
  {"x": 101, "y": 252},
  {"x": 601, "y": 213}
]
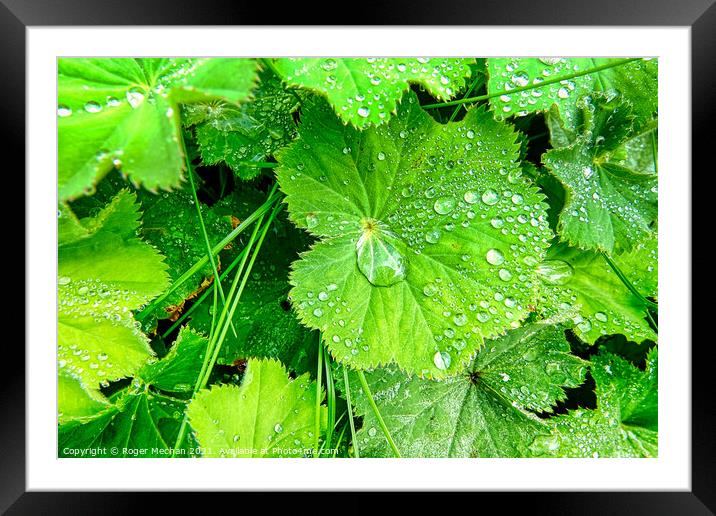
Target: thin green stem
[
  {"x": 356, "y": 454},
  {"x": 317, "y": 418},
  {"x": 381, "y": 423},
  {"x": 338, "y": 442},
  {"x": 628, "y": 284},
  {"x": 260, "y": 211},
  {"x": 202, "y": 226},
  {"x": 330, "y": 397},
  {"x": 654, "y": 151},
  {"x": 200, "y": 379},
  {"x": 531, "y": 86},
  {"x": 258, "y": 164},
  {"x": 467, "y": 93}
]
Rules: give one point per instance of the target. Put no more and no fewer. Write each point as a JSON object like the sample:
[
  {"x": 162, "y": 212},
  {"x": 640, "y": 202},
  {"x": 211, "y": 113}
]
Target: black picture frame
[{"x": 700, "y": 15}]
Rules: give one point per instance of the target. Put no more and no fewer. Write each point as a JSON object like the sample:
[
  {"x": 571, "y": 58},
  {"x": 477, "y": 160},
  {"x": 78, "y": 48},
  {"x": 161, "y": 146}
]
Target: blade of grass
[
  {"x": 226, "y": 317},
  {"x": 259, "y": 212},
  {"x": 356, "y": 454},
  {"x": 531, "y": 86},
  {"x": 628, "y": 284},
  {"x": 379, "y": 417},
  {"x": 338, "y": 443},
  {"x": 317, "y": 419},
  {"x": 202, "y": 226},
  {"x": 330, "y": 397},
  {"x": 467, "y": 93}
]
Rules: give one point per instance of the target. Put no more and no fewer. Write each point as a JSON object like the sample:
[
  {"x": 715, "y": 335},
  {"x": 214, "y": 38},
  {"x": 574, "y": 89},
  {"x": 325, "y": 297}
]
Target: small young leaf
[
  {"x": 637, "y": 80},
  {"x": 269, "y": 415},
  {"x": 608, "y": 207},
  {"x": 249, "y": 132},
  {"x": 139, "y": 423},
  {"x": 179, "y": 369}
]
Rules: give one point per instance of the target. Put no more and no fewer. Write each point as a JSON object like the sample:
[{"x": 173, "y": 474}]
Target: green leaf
[
  {"x": 171, "y": 224},
  {"x": 123, "y": 113},
  {"x": 269, "y": 415},
  {"x": 139, "y": 423},
  {"x": 636, "y": 80},
  {"x": 430, "y": 236},
  {"x": 249, "y": 132},
  {"x": 581, "y": 286},
  {"x": 625, "y": 422},
  {"x": 485, "y": 412},
  {"x": 179, "y": 369},
  {"x": 74, "y": 401},
  {"x": 98, "y": 340},
  {"x": 608, "y": 206},
  {"x": 366, "y": 91}
]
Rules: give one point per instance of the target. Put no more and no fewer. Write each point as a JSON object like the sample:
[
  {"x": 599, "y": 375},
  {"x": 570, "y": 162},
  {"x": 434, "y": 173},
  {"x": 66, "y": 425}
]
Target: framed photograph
[{"x": 360, "y": 249}]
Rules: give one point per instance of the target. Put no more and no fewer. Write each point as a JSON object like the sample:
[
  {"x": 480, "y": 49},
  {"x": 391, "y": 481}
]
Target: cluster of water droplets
[
  {"x": 377, "y": 83},
  {"x": 133, "y": 97},
  {"x": 99, "y": 303},
  {"x": 333, "y": 313},
  {"x": 514, "y": 74}
]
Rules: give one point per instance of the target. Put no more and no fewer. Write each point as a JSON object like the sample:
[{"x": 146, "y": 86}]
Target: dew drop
[
  {"x": 363, "y": 112},
  {"x": 430, "y": 289},
  {"x": 444, "y": 205},
  {"x": 432, "y": 236},
  {"x": 601, "y": 316},
  {"x": 63, "y": 111},
  {"x": 329, "y": 64},
  {"x": 278, "y": 428},
  {"x": 378, "y": 256},
  {"x": 93, "y": 107},
  {"x": 442, "y": 360},
  {"x": 471, "y": 197},
  {"x": 372, "y": 431},
  {"x": 490, "y": 197},
  {"x": 311, "y": 220},
  {"x": 135, "y": 97},
  {"x": 460, "y": 320},
  {"x": 549, "y": 60},
  {"x": 494, "y": 257},
  {"x": 555, "y": 272}
]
